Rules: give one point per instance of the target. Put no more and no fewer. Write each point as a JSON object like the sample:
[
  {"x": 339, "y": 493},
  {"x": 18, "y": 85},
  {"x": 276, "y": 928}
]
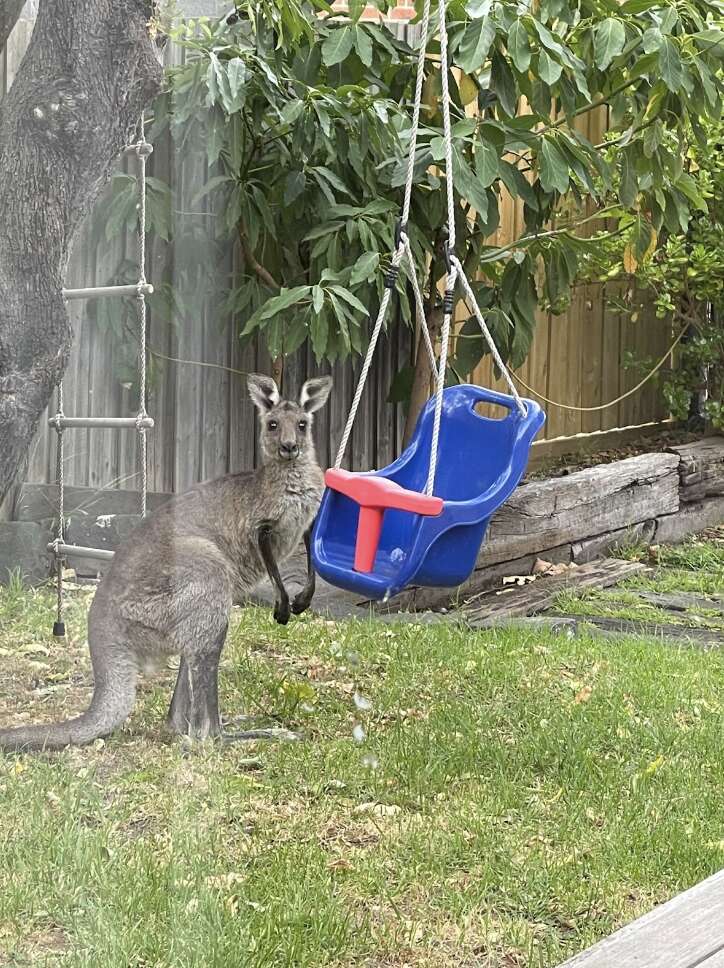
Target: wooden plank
[
  {"x": 38, "y": 502},
  {"x": 423, "y": 599},
  {"x": 681, "y": 601},
  {"x": 692, "y": 518},
  {"x": 539, "y": 595},
  {"x": 592, "y": 548},
  {"x": 681, "y": 636},
  {"x": 685, "y": 932},
  {"x": 545, "y": 514},
  {"x": 702, "y": 468}
]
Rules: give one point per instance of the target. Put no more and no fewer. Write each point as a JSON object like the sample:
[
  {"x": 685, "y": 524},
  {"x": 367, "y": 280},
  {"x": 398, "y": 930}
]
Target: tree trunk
[
  {"x": 421, "y": 384},
  {"x": 89, "y": 71}
]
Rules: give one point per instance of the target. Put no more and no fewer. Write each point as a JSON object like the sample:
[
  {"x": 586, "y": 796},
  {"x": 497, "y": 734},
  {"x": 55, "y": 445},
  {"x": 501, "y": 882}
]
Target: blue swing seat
[{"x": 480, "y": 462}]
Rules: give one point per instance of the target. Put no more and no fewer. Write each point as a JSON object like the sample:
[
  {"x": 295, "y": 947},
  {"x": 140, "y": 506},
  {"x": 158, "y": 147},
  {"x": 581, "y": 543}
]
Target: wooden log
[
  {"x": 39, "y": 502},
  {"x": 546, "y": 514},
  {"x": 592, "y": 548},
  {"x": 702, "y": 468},
  {"x": 673, "y": 528},
  {"x": 418, "y": 599},
  {"x": 686, "y": 932},
  {"x": 539, "y": 595}
]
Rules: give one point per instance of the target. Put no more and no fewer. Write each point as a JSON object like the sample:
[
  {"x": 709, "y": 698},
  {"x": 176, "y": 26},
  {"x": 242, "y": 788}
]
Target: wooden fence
[{"x": 204, "y": 422}]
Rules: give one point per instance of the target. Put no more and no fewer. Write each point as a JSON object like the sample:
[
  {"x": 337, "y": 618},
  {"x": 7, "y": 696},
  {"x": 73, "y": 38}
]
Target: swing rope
[{"x": 454, "y": 269}]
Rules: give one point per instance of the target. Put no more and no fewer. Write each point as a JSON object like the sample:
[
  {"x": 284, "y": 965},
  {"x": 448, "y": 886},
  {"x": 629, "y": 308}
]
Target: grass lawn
[{"x": 460, "y": 799}]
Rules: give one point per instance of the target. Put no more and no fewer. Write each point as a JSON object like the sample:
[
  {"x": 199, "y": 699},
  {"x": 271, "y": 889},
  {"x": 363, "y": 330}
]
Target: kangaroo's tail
[{"x": 113, "y": 699}]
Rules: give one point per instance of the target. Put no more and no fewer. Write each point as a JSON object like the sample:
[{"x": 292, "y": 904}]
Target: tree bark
[
  {"x": 421, "y": 383},
  {"x": 9, "y": 13},
  {"x": 89, "y": 71}
]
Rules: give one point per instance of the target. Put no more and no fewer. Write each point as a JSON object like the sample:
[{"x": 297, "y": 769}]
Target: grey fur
[{"x": 171, "y": 586}]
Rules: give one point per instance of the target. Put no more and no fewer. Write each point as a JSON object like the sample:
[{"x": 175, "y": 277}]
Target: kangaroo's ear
[
  {"x": 314, "y": 393},
  {"x": 263, "y": 391}
]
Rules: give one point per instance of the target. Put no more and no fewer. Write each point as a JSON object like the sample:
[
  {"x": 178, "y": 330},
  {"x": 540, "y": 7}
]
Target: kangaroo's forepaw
[
  {"x": 301, "y": 603},
  {"x": 282, "y": 612}
]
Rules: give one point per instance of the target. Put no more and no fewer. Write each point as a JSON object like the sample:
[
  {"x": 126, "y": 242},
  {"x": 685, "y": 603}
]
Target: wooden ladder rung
[
  {"x": 100, "y": 423},
  {"x": 61, "y": 550},
  {"x": 146, "y": 290}
]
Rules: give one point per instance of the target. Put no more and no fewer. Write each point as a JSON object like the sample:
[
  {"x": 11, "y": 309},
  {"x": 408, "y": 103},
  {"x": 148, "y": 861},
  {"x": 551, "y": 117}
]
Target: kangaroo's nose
[{"x": 289, "y": 450}]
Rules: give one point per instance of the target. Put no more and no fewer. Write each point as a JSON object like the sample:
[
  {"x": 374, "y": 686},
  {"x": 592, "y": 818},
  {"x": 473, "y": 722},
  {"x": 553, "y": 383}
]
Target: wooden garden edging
[
  {"x": 686, "y": 932},
  {"x": 659, "y": 497},
  {"x": 654, "y": 498}
]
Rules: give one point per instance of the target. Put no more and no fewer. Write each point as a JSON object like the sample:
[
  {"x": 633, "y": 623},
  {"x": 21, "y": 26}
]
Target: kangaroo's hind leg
[{"x": 194, "y": 709}]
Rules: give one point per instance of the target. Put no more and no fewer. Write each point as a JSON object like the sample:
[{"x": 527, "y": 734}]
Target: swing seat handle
[{"x": 375, "y": 495}]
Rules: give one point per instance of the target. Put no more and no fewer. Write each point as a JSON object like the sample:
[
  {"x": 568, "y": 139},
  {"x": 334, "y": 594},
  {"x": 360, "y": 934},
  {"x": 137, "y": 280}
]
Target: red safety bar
[{"x": 375, "y": 495}]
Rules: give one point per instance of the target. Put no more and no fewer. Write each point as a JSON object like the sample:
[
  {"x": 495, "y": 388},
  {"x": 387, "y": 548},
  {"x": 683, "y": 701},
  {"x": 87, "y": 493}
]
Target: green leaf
[
  {"x": 236, "y": 73},
  {"x": 211, "y": 185},
  {"x": 470, "y": 347},
  {"x": 503, "y": 85},
  {"x": 328, "y": 228},
  {"x": 291, "y": 111},
  {"x": 608, "y": 42},
  {"x": 519, "y": 46},
  {"x": 553, "y": 168},
  {"x": 363, "y": 45},
  {"x": 351, "y": 299},
  {"x": 473, "y": 50},
  {"x": 686, "y": 184},
  {"x": 548, "y": 69},
  {"x": 364, "y": 267},
  {"x": 672, "y": 72},
  {"x": 628, "y": 187},
  {"x": 652, "y": 40},
  {"x": 317, "y": 298},
  {"x": 517, "y": 184},
  {"x": 486, "y": 163},
  {"x": 338, "y": 45},
  {"x": 294, "y": 185},
  {"x": 276, "y": 305}
]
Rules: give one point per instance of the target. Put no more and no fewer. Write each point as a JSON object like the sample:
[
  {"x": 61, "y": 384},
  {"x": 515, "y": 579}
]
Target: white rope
[
  {"x": 447, "y": 133},
  {"x": 419, "y": 80},
  {"x": 60, "y": 532},
  {"x": 473, "y": 303},
  {"x": 397, "y": 255},
  {"x": 392, "y": 275},
  {"x": 419, "y": 303},
  {"x": 143, "y": 151},
  {"x": 451, "y": 274},
  {"x": 440, "y": 387},
  {"x": 454, "y": 267}
]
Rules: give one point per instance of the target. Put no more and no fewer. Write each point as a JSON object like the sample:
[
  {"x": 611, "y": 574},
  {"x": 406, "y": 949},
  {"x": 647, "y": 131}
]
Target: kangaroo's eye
[
  {"x": 272, "y": 425},
  {"x": 302, "y": 424}
]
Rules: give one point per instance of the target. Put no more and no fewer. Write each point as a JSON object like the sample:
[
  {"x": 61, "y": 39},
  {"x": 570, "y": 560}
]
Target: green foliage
[
  {"x": 306, "y": 121},
  {"x": 685, "y": 277}
]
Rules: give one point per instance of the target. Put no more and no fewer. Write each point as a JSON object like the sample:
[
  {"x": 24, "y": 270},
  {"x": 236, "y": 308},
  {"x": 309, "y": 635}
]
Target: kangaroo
[{"x": 170, "y": 588}]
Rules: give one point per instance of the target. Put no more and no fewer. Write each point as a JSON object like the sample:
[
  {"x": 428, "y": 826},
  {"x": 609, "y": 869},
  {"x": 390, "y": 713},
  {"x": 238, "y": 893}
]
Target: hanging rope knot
[
  {"x": 144, "y": 149},
  {"x": 401, "y": 238},
  {"x": 143, "y": 421},
  {"x": 394, "y": 270},
  {"x": 57, "y": 422}
]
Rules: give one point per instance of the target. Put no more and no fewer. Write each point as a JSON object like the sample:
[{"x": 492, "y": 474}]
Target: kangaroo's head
[{"x": 286, "y": 425}]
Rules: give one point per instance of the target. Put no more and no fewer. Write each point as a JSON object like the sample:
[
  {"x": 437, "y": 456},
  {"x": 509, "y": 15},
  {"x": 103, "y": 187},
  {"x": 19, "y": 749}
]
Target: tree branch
[
  {"x": 253, "y": 263},
  {"x": 9, "y": 12}
]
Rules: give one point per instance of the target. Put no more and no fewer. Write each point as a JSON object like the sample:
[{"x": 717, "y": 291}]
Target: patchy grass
[
  {"x": 514, "y": 797},
  {"x": 695, "y": 567}
]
